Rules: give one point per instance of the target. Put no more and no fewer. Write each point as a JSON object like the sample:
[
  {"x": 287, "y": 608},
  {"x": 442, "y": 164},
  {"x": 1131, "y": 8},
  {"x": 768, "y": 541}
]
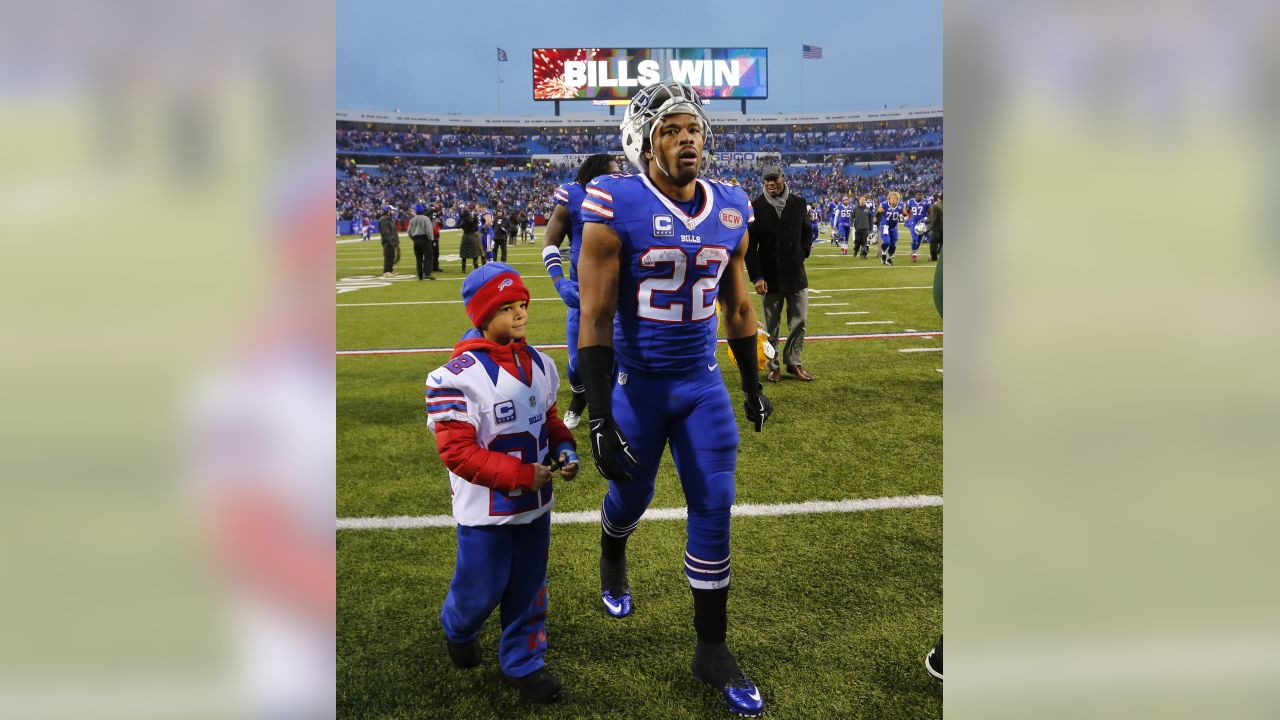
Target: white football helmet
[
  {"x": 922, "y": 228},
  {"x": 652, "y": 104}
]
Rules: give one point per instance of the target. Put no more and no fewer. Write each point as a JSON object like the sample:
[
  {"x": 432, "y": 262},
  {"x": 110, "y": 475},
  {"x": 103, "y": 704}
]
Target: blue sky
[{"x": 437, "y": 57}]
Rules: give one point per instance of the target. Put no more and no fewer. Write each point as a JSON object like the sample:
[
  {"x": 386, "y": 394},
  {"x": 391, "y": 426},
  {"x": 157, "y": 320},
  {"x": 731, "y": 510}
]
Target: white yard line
[
  {"x": 850, "y": 312},
  {"x": 868, "y": 289},
  {"x": 871, "y": 322},
  {"x": 919, "y": 349},
  {"x": 426, "y": 302},
  {"x": 586, "y": 517},
  {"x": 827, "y": 304}
]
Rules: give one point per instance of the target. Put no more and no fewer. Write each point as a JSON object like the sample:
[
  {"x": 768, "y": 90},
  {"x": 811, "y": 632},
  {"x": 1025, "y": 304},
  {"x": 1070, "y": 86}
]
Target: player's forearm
[{"x": 739, "y": 319}]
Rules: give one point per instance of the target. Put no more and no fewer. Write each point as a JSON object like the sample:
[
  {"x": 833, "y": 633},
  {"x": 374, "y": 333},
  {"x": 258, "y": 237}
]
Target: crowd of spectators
[
  {"x": 402, "y": 184},
  {"x": 446, "y": 188},
  {"x": 733, "y": 138}
]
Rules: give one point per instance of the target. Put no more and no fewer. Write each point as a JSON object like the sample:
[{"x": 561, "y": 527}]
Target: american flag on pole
[
  {"x": 811, "y": 52},
  {"x": 502, "y": 55}
]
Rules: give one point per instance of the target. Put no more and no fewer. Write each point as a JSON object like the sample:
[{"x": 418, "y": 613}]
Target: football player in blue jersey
[
  {"x": 844, "y": 219},
  {"x": 891, "y": 211},
  {"x": 813, "y": 222},
  {"x": 832, "y": 216},
  {"x": 658, "y": 249},
  {"x": 917, "y": 211},
  {"x": 567, "y": 219}
]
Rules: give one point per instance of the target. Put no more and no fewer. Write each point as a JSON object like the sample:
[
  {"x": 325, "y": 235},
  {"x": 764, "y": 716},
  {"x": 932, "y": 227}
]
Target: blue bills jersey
[
  {"x": 918, "y": 211},
  {"x": 844, "y": 215},
  {"x": 672, "y": 261},
  {"x": 571, "y": 195},
  {"x": 892, "y": 215}
]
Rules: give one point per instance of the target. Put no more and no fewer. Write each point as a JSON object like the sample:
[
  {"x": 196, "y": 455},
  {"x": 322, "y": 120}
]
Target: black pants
[
  {"x": 422, "y": 254},
  {"x": 389, "y": 257},
  {"x": 859, "y": 241},
  {"x": 435, "y": 254},
  {"x": 935, "y": 246},
  {"x": 500, "y": 243}
]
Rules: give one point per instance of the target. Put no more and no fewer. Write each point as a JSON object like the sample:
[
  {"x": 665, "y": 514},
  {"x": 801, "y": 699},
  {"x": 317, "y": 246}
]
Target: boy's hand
[
  {"x": 541, "y": 476},
  {"x": 568, "y": 465}
]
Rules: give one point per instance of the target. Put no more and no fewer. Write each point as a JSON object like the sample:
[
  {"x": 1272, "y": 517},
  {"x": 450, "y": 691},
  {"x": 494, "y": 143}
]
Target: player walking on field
[
  {"x": 567, "y": 219},
  {"x": 658, "y": 249}
]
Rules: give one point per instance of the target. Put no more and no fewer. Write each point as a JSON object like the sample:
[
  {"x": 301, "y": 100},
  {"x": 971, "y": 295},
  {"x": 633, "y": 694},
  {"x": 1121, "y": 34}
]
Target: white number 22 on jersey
[{"x": 699, "y": 290}]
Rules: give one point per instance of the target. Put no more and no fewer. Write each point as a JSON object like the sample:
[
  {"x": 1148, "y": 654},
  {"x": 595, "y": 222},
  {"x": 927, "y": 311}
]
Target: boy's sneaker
[
  {"x": 716, "y": 666},
  {"x": 933, "y": 661},
  {"x": 571, "y": 419},
  {"x": 539, "y": 686},
  {"x": 464, "y": 655},
  {"x": 614, "y": 590}
]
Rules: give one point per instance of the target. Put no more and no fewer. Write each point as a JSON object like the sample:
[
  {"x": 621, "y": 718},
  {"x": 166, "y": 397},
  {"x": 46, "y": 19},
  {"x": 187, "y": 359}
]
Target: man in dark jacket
[
  {"x": 861, "y": 226},
  {"x": 781, "y": 238},
  {"x": 502, "y": 232},
  {"x": 935, "y": 229},
  {"x": 390, "y": 240}
]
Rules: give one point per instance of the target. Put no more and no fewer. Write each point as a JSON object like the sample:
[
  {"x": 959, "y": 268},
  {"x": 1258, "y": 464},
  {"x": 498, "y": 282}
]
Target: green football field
[{"x": 830, "y": 613}]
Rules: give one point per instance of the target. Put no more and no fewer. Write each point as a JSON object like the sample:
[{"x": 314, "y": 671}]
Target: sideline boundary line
[
  {"x": 583, "y": 517},
  {"x": 562, "y": 346}
]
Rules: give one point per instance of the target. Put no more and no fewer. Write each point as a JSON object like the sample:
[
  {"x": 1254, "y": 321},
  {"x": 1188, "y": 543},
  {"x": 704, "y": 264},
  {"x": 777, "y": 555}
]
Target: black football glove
[
  {"x": 758, "y": 407},
  {"x": 611, "y": 451}
]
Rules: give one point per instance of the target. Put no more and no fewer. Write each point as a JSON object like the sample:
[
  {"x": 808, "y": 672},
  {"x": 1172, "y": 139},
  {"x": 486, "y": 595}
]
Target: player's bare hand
[
  {"x": 541, "y": 476},
  {"x": 762, "y": 287}
]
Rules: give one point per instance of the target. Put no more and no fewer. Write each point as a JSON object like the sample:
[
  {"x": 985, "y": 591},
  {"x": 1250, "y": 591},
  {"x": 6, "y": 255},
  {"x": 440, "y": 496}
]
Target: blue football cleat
[
  {"x": 617, "y": 604},
  {"x": 743, "y": 698},
  {"x": 614, "y": 590},
  {"x": 716, "y": 666}
]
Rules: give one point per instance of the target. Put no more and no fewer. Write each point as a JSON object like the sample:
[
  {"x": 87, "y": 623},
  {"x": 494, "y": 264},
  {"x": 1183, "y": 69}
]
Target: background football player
[{"x": 567, "y": 219}]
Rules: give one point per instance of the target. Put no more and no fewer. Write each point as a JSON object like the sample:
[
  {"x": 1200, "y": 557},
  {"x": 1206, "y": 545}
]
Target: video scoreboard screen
[{"x": 619, "y": 73}]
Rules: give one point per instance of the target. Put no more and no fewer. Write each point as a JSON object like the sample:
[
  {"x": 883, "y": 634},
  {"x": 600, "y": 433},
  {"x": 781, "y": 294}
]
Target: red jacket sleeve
[
  {"x": 557, "y": 431},
  {"x": 456, "y": 442}
]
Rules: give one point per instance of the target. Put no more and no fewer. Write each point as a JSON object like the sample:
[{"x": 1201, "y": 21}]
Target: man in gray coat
[
  {"x": 781, "y": 238},
  {"x": 423, "y": 239}
]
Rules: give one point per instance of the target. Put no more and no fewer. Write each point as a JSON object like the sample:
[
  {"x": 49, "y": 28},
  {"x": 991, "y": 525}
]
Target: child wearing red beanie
[{"x": 492, "y": 409}]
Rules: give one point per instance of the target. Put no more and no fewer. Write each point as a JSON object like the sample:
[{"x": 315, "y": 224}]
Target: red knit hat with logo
[{"x": 488, "y": 288}]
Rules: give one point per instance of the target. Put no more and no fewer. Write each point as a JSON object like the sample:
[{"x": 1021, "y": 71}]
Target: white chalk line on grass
[
  {"x": 827, "y": 304},
  {"x": 375, "y": 278},
  {"x": 919, "y": 349},
  {"x": 429, "y": 302},
  {"x": 561, "y": 346},
  {"x": 871, "y": 322},
  {"x": 907, "y": 287},
  {"x": 850, "y": 312},
  {"x": 584, "y": 517}
]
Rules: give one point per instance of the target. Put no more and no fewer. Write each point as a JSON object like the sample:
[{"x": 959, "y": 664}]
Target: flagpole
[{"x": 802, "y": 81}]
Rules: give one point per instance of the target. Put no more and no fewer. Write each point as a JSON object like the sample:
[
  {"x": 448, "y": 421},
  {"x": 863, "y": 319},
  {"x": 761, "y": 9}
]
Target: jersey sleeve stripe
[
  {"x": 443, "y": 392},
  {"x": 597, "y": 192},
  {"x": 597, "y": 209},
  {"x": 446, "y": 407}
]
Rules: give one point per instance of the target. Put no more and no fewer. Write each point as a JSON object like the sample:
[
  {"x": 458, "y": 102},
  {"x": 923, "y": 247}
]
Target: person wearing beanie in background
[
  {"x": 421, "y": 234},
  {"x": 390, "y": 241},
  {"x": 493, "y": 401}
]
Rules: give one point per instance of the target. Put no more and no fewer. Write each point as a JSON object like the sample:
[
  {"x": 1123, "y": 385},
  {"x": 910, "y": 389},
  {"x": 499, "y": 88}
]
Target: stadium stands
[{"x": 517, "y": 162}]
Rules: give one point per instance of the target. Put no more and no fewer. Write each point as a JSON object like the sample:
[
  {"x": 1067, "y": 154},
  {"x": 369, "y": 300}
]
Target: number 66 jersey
[{"x": 673, "y": 255}]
